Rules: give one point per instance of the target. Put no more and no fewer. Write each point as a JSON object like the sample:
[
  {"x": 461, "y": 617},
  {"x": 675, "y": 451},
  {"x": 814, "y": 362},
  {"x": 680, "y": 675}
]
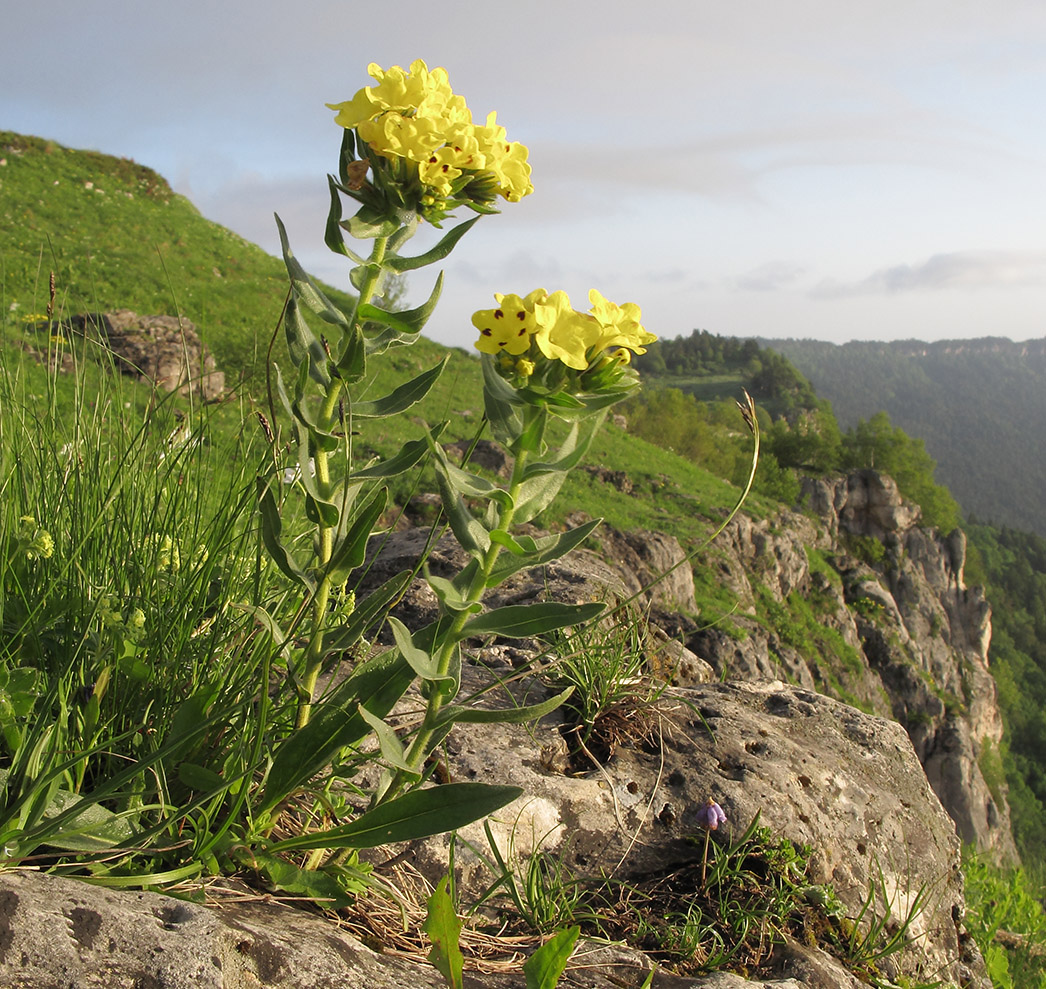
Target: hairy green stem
[{"x": 306, "y": 687}]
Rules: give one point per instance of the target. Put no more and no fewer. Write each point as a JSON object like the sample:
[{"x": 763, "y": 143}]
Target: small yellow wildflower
[
  {"x": 563, "y": 333},
  {"x": 508, "y": 328},
  {"x": 619, "y": 325}
]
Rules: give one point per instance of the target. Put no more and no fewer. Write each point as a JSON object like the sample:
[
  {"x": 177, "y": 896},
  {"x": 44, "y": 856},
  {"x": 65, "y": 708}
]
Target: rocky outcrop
[
  {"x": 892, "y": 593},
  {"x": 164, "y": 350},
  {"x": 820, "y": 772}
]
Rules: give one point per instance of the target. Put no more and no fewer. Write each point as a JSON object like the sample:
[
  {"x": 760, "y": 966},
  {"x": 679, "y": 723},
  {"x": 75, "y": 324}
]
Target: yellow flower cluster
[
  {"x": 559, "y": 332},
  {"x": 415, "y": 115}
]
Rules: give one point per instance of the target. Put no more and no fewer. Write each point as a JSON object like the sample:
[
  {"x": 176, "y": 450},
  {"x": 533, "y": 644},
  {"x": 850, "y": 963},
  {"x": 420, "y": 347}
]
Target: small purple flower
[{"x": 711, "y": 815}]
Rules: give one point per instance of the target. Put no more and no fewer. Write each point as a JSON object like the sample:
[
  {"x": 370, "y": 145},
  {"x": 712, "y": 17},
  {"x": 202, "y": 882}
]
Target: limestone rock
[{"x": 165, "y": 350}]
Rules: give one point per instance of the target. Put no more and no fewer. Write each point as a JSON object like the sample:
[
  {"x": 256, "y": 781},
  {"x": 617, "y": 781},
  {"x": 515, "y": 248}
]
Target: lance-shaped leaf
[
  {"x": 318, "y": 507},
  {"x": 376, "y": 684},
  {"x": 539, "y": 551},
  {"x": 506, "y": 539},
  {"x": 402, "y": 398},
  {"x": 272, "y": 532},
  {"x": 517, "y": 621},
  {"x": 297, "y": 410},
  {"x": 444, "y": 930},
  {"x": 332, "y": 234},
  {"x": 305, "y": 288},
  {"x": 352, "y": 360},
  {"x": 535, "y": 494},
  {"x": 389, "y": 743},
  {"x": 351, "y": 550},
  {"x": 569, "y": 458},
  {"x": 467, "y": 529},
  {"x": 317, "y": 886},
  {"x": 417, "y": 814},
  {"x": 509, "y": 715},
  {"x": 501, "y": 404},
  {"x": 438, "y": 253},
  {"x": 410, "y": 455},
  {"x": 532, "y": 436},
  {"x": 421, "y": 662},
  {"x": 304, "y": 348},
  {"x": 449, "y": 595},
  {"x": 407, "y": 321},
  {"x": 370, "y": 223},
  {"x": 543, "y": 968},
  {"x": 473, "y": 486}
]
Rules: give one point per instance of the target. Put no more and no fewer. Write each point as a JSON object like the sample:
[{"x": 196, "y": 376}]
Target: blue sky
[{"x": 796, "y": 168}]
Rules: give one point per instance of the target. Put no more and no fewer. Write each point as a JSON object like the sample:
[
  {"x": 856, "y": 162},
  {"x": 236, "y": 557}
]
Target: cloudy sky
[{"x": 803, "y": 168}]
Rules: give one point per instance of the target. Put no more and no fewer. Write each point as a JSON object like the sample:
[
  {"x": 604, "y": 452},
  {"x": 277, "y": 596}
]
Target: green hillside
[{"x": 117, "y": 236}]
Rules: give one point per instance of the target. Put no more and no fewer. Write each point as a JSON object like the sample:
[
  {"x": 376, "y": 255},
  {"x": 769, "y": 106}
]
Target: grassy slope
[{"x": 116, "y": 236}]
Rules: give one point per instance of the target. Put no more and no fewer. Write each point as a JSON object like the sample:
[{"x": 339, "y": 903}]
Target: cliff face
[{"x": 915, "y": 637}]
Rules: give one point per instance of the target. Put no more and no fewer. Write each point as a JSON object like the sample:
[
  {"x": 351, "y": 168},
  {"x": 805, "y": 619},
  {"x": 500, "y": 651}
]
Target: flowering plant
[{"x": 419, "y": 155}]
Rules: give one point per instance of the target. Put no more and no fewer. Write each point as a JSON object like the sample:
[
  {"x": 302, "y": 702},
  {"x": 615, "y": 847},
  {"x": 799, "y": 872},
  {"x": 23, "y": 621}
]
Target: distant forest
[{"x": 979, "y": 405}]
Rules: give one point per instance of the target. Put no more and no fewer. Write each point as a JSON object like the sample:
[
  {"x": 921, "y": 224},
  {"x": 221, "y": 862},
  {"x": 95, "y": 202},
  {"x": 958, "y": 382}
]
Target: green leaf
[
  {"x": 449, "y": 594},
  {"x": 332, "y": 234},
  {"x": 377, "y": 684},
  {"x": 318, "y": 886},
  {"x": 509, "y": 715},
  {"x": 352, "y": 549},
  {"x": 388, "y": 742},
  {"x": 411, "y": 454},
  {"x": 320, "y": 510},
  {"x": 503, "y": 538},
  {"x": 305, "y": 349},
  {"x": 417, "y": 814},
  {"x": 571, "y": 453},
  {"x": 352, "y": 360},
  {"x": 535, "y": 494},
  {"x": 420, "y": 661},
  {"x": 305, "y": 288},
  {"x": 467, "y": 529},
  {"x": 401, "y": 398},
  {"x": 370, "y": 223},
  {"x": 199, "y": 777},
  {"x": 93, "y": 829},
  {"x": 444, "y": 930},
  {"x": 539, "y": 551},
  {"x": 437, "y": 253},
  {"x": 407, "y": 321},
  {"x": 272, "y": 530},
  {"x": 517, "y": 621},
  {"x": 543, "y": 968},
  {"x": 473, "y": 485},
  {"x": 501, "y": 403}
]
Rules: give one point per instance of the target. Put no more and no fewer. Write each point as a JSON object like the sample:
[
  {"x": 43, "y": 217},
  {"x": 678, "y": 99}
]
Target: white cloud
[{"x": 962, "y": 270}]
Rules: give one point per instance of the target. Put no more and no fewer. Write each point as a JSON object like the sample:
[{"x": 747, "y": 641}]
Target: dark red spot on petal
[
  {"x": 521, "y": 316},
  {"x": 498, "y": 314},
  {"x": 486, "y": 333}
]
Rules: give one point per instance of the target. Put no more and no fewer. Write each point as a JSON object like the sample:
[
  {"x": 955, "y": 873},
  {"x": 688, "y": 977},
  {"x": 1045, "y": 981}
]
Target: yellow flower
[
  {"x": 619, "y": 325},
  {"x": 416, "y": 115},
  {"x": 439, "y": 171},
  {"x": 508, "y": 328},
  {"x": 506, "y": 159},
  {"x": 396, "y": 90},
  {"x": 564, "y": 334}
]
